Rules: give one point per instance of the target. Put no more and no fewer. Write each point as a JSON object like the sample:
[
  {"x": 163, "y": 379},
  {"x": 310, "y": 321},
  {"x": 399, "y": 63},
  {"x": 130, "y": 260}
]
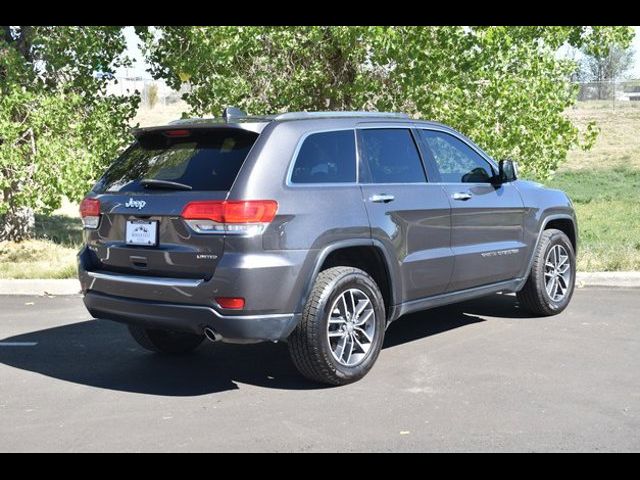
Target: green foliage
[
  {"x": 607, "y": 202},
  {"x": 502, "y": 86},
  {"x": 58, "y": 128}
]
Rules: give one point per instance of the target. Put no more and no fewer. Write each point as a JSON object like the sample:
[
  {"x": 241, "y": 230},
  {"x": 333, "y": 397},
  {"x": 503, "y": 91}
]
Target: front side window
[
  {"x": 456, "y": 161},
  {"x": 326, "y": 157},
  {"x": 390, "y": 156}
]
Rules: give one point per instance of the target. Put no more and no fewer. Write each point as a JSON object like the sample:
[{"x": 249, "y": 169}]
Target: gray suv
[{"x": 318, "y": 229}]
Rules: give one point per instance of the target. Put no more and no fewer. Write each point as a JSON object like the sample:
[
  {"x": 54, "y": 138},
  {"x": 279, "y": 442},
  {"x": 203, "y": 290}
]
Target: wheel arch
[
  {"x": 562, "y": 221},
  {"x": 391, "y": 279},
  {"x": 567, "y": 226}
]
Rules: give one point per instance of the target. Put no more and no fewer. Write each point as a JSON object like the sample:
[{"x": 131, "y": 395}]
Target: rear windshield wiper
[{"x": 155, "y": 183}]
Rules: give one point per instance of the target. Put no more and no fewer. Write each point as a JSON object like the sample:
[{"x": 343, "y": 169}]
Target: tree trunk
[{"x": 17, "y": 225}]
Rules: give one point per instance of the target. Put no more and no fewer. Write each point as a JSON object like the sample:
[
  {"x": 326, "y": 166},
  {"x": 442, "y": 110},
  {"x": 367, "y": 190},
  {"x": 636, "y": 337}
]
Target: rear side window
[
  {"x": 326, "y": 157},
  {"x": 390, "y": 156},
  {"x": 207, "y": 160}
]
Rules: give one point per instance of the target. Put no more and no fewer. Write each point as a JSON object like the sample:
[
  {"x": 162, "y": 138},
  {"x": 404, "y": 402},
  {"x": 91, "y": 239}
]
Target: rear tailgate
[
  {"x": 148, "y": 188},
  {"x": 178, "y": 253}
]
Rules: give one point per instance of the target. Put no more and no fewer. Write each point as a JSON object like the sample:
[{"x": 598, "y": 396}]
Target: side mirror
[{"x": 507, "y": 172}]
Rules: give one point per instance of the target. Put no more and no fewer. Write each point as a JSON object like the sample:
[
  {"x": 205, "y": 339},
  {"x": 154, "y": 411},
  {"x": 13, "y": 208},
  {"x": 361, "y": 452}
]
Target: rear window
[
  {"x": 326, "y": 157},
  {"x": 207, "y": 160}
]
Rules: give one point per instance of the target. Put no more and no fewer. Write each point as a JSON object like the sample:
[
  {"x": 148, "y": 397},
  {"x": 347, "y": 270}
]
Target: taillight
[
  {"x": 90, "y": 212},
  {"x": 239, "y": 217}
]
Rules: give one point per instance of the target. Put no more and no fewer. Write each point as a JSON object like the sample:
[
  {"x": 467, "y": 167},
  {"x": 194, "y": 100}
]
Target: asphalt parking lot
[{"x": 480, "y": 376}]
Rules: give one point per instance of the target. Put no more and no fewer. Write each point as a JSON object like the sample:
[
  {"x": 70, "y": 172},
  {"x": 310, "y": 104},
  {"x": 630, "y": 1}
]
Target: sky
[
  {"x": 139, "y": 68},
  {"x": 133, "y": 51}
]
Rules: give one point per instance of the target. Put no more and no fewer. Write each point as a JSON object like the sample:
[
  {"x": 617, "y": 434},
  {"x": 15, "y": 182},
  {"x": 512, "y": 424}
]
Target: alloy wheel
[{"x": 351, "y": 327}]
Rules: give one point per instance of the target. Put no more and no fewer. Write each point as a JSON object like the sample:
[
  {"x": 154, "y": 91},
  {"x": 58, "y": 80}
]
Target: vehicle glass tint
[
  {"x": 326, "y": 157},
  {"x": 456, "y": 161},
  {"x": 206, "y": 160},
  {"x": 390, "y": 156}
]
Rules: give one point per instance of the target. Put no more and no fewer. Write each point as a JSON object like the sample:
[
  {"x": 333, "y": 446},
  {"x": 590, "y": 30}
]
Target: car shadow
[{"x": 101, "y": 354}]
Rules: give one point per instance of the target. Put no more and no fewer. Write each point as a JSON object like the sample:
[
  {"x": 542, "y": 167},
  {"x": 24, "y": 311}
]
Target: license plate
[{"x": 142, "y": 232}]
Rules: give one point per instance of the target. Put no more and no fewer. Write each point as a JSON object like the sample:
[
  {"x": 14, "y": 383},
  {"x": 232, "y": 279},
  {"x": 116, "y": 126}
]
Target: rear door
[
  {"x": 486, "y": 220},
  {"x": 407, "y": 213},
  {"x": 143, "y": 194}
]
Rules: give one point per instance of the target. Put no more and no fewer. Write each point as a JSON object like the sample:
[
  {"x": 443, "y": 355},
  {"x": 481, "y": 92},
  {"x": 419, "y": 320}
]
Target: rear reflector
[
  {"x": 231, "y": 211},
  {"x": 231, "y": 303},
  {"x": 90, "y": 212}
]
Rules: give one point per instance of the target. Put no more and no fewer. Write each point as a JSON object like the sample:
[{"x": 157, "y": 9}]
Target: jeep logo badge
[{"x": 139, "y": 204}]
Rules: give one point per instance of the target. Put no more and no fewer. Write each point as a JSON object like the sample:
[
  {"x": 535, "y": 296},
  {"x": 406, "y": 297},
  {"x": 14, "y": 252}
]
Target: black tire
[
  {"x": 164, "y": 341},
  {"x": 534, "y": 296},
  {"x": 309, "y": 345}
]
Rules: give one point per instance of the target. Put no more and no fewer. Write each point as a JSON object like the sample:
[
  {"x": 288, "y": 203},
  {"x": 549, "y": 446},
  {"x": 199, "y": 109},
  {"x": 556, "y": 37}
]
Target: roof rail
[{"x": 309, "y": 115}]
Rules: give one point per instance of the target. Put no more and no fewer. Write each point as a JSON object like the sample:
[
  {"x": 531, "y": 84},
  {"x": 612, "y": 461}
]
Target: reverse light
[
  {"x": 90, "y": 212},
  {"x": 230, "y": 217},
  {"x": 231, "y": 303}
]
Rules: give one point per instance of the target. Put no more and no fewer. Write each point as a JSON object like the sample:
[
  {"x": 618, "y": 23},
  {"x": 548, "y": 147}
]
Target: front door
[
  {"x": 486, "y": 220},
  {"x": 406, "y": 213}
]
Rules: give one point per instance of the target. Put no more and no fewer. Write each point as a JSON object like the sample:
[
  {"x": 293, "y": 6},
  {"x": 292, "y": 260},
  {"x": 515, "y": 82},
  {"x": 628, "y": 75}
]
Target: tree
[
  {"x": 603, "y": 68},
  {"x": 58, "y": 128},
  {"x": 502, "y": 86}
]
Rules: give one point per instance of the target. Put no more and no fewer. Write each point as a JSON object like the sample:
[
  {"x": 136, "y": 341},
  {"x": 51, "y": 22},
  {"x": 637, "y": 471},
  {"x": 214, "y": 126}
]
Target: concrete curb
[
  {"x": 608, "y": 279},
  {"x": 69, "y": 286},
  {"x": 72, "y": 286}
]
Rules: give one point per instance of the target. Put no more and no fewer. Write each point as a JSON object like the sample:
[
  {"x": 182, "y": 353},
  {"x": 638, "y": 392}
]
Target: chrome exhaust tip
[{"x": 212, "y": 335}]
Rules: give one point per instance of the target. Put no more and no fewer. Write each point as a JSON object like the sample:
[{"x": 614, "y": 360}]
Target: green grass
[
  {"x": 51, "y": 253},
  {"x": 60, "y": 229},
  {"x": 607, "y": 202},
  {"x": 36, "y": 259}
]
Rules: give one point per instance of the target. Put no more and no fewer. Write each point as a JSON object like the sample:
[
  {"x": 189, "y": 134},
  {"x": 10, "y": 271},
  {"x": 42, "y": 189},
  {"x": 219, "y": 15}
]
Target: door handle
[
  {"x": 462, "y": 196},
  {"x": 382, "y": 198}
]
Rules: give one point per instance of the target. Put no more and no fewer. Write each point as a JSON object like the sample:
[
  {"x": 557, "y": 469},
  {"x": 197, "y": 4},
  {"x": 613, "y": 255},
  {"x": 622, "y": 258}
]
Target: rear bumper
[
  {"x": 270, "y": 282},
  {"x": 190, "y": 318}
]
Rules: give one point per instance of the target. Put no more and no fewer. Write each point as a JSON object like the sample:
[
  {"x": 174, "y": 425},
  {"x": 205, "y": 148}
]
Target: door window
[
  {"x": 390, "y": 156},
  {"x": 456, "y": 161}
]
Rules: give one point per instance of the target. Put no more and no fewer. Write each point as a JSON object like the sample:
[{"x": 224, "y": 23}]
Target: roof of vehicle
[{"x": 238, "y": 119}]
